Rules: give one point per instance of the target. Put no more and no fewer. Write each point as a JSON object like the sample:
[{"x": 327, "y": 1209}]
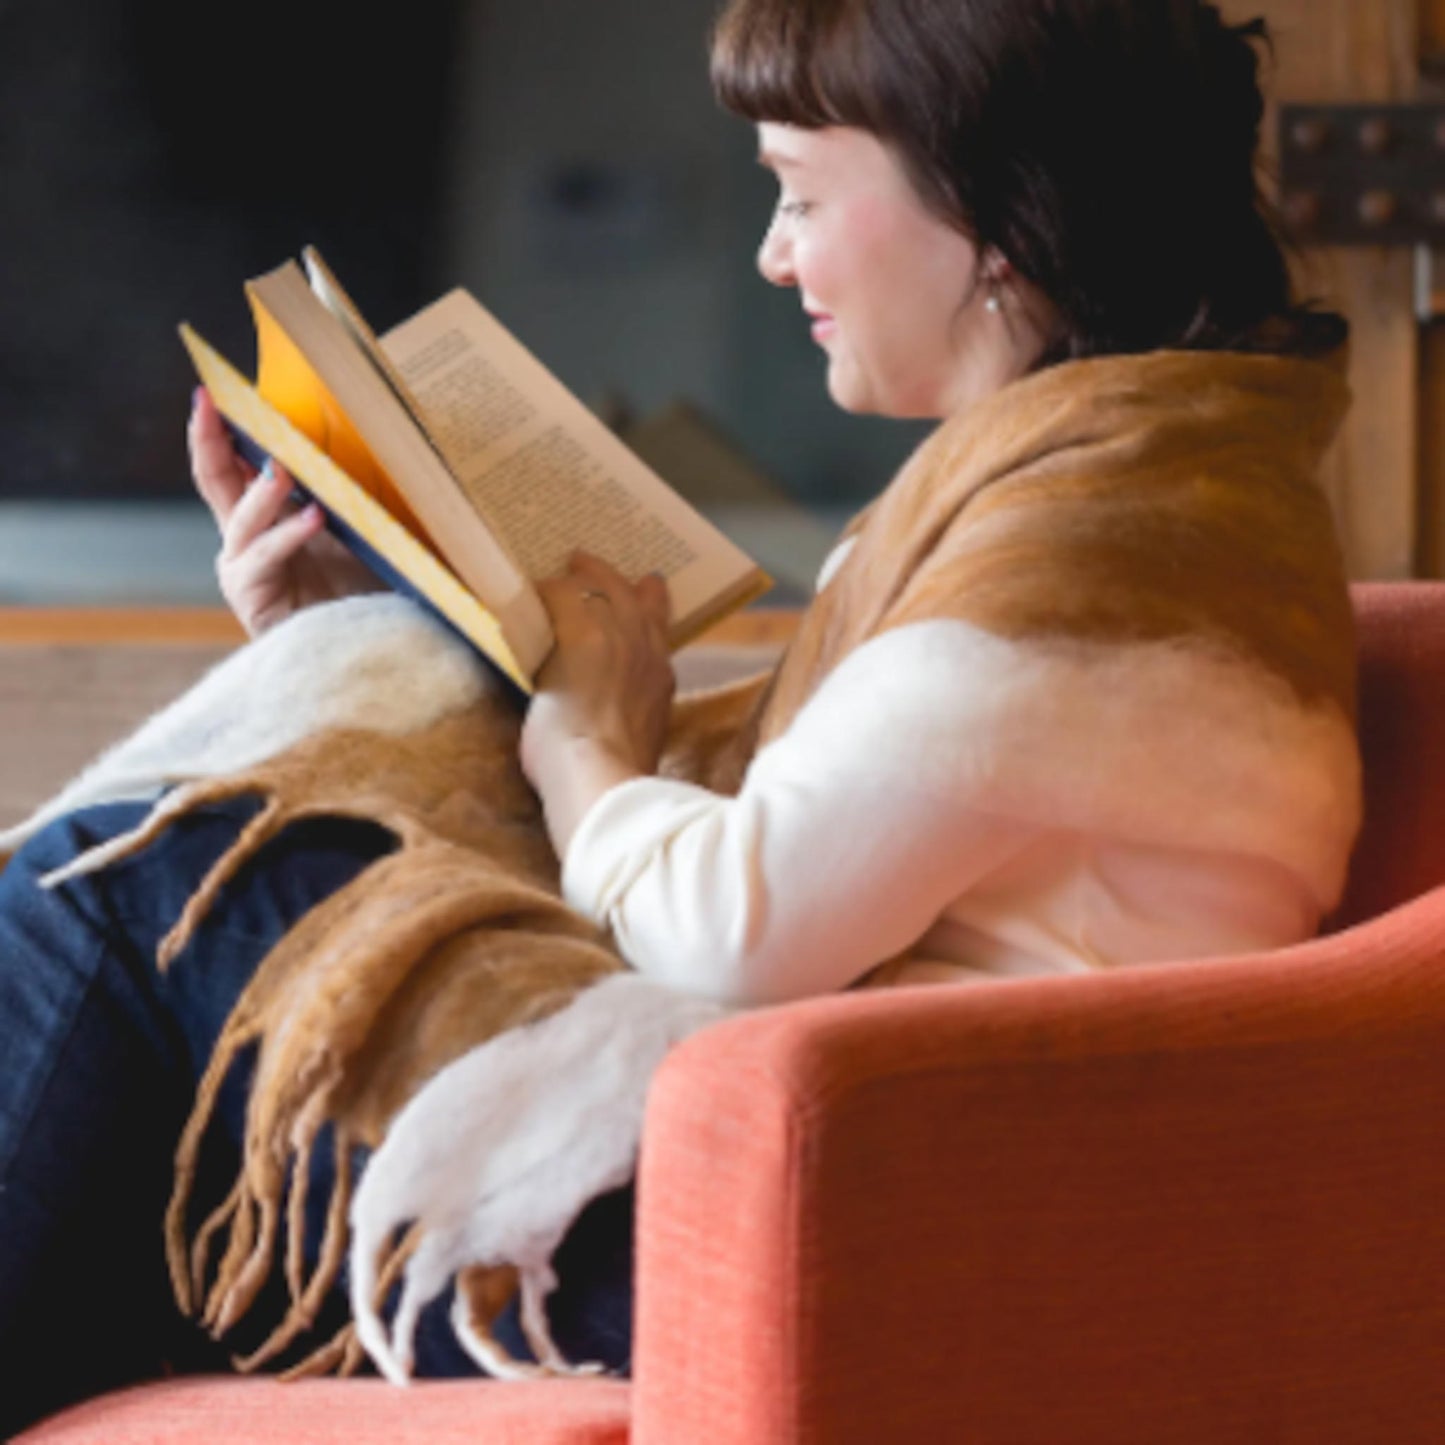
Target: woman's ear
[{"x": 997, "y": 268}]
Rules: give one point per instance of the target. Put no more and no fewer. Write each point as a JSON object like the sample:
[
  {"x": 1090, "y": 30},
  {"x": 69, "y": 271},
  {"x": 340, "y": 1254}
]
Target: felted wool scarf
[{"x": 449, "y": 1013}]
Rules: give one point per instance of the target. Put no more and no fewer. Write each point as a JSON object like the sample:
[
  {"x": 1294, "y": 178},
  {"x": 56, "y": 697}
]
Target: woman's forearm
[{"x": 570, "y": 777}]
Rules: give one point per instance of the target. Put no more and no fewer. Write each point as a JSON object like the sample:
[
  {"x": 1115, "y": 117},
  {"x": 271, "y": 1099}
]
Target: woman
[{"x": 1075, "y": 691}]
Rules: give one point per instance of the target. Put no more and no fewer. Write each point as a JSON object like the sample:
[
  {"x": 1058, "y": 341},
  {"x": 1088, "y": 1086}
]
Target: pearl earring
[{"x": 993, "y": 305}]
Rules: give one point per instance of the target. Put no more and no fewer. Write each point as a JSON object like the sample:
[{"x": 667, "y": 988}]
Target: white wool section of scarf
[
  {"x": 1181, "y": 743},
  {"x": 496, "y": 1156},
  {"x": 376, "y": 661}
]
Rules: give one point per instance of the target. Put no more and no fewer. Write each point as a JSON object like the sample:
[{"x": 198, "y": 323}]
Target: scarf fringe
[
  {"x": 312, "y": 1010},
  {"x": 496, "y": 1156}
]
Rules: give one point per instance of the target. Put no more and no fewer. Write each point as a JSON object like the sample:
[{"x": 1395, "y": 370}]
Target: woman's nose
[{"x": 775, "y": 257}]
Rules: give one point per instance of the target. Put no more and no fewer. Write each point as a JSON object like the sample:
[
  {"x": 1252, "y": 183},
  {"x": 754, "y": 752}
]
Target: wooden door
[{"x": 1382, "y": 475}]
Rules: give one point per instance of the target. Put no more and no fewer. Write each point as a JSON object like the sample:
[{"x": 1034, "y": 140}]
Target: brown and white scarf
[{"x": 448, "y": 1012}]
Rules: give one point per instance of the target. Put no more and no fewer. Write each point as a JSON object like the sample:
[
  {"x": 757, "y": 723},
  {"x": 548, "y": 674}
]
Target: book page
[
  {"x": 543, "y": 471},
  {"x": 296, "y": 328},
  {"x": 549, "y": 491},
  {"x": 334, "y": 297}
]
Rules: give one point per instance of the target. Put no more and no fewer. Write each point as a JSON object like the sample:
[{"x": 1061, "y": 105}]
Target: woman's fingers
[
  {"x": 601, "y": 585},
  {"x": 592, "y": 596},
  {"x": 267, "y": 566},
  {"x": 220, "y": 473},
  {"x": 275, "y": 548},
  {"x": 261, "y": 585},
  {"x": 609, "y": 682},
  {"x": 656, "y": 603},
  {"x": 260, "y": 508},
  {"x": 571, "y": 610},
  {"x": 578, "y": 603}
]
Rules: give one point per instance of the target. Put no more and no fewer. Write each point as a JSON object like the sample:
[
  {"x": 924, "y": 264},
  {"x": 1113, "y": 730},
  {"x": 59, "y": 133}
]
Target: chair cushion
[{"x": 229, "y": 1410}]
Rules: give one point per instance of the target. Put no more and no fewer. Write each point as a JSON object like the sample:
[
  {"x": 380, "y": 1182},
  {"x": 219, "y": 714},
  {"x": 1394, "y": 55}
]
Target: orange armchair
[{"x": 1198, "y": 1202}]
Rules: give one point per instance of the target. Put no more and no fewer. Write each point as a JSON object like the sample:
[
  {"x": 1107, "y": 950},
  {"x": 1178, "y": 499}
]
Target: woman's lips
[{"x": 823, "y": 327}]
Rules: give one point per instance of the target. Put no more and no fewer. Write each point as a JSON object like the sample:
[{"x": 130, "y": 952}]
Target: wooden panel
[
  {"x": 1353, "y": 51},
  {"x": 1432, "y": 450},
  {"x": 1432, "y": 36},
  {"x": 1431, "y": 550}
]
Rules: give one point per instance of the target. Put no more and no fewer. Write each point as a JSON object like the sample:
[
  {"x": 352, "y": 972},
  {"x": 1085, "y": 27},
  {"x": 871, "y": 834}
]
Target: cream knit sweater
[{"x": 888, "y": 815}]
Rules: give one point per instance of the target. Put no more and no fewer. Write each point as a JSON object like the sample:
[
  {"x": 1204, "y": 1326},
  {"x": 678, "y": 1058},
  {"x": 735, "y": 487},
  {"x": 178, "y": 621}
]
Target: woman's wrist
[
  {"x": 570, "y": 776},
  {"x": 600, "y": 713}
]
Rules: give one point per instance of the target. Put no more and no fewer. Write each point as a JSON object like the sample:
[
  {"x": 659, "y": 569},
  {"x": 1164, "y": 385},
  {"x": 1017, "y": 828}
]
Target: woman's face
[{"x": 896, "y": 296}]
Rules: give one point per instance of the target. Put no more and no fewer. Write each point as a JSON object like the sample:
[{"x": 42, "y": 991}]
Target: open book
[{"x": 458, "y": 467}]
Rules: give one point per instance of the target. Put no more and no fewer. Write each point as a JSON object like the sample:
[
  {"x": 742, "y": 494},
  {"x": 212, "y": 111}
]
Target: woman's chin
[
  {"x": 847, "y": 390},
  {"x": 852, "y": 391}
]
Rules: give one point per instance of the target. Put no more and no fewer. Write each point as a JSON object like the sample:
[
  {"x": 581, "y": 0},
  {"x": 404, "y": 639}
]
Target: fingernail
[
  {"x": 196, "y": 395},
  {"x": 268, "y": 473}
]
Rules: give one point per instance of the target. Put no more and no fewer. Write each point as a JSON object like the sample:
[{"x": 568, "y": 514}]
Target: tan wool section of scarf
[
  {"x": 457, "y": 936},
  {"x": 1170, "y": 495},
  {"x": 1124, "y": 499},
  {"x": 453, "y": 938}
]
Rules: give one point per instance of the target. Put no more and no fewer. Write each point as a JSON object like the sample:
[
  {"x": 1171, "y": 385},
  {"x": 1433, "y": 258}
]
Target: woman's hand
[
  {"x": 600, "y": 712},
  {"x": 274, "y": 560}
]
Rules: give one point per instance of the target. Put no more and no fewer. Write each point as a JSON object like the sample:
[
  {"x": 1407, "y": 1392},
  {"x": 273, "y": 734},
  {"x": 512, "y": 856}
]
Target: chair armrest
[{"x": 1195, "y": 1202}]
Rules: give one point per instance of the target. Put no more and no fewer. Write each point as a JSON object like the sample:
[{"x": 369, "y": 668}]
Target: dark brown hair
[{"x": 1106, "y": 148}]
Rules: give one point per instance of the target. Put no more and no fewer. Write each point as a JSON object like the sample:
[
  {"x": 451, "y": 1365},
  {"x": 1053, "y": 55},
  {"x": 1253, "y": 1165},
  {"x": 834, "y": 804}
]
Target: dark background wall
[{"x": 564, "y": 160}]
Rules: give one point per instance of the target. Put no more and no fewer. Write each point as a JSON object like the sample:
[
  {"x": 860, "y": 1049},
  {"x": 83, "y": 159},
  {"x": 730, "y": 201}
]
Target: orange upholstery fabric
[
  {"x": 1194, "y": 1204},
  {"x": 345, "y": 1412},
  {"x": 1199, "y": 1202}
]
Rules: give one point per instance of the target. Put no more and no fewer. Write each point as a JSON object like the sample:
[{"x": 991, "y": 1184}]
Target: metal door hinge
[
  {"x": 1364, "y": 175},
  {"x": 1368, "y": 175}
]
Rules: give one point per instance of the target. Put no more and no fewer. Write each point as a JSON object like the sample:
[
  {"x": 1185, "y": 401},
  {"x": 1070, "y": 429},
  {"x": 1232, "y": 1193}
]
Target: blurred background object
[
  {"x": 565, "y": 162},
  {"x": 1386, "y": 474}
]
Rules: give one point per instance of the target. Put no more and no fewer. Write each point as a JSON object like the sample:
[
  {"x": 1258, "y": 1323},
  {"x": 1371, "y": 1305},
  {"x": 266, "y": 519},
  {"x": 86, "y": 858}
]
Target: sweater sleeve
[{"x": 845, "y": 843}]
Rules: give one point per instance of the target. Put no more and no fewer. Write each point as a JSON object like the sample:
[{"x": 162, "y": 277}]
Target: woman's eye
[{"x": 794, "y": 210}]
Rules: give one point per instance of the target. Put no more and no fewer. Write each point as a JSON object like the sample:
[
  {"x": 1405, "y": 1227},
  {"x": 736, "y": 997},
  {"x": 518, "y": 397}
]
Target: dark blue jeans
[{"x": 99, "y": 1057}]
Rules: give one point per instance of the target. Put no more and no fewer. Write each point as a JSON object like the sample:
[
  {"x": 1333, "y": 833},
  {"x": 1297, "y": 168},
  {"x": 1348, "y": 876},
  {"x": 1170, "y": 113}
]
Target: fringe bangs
[{"x": 793, "y": 62}]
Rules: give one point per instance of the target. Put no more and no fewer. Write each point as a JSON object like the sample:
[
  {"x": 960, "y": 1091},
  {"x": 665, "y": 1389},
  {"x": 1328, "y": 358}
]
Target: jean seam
[
  {"x": 228, "y": 930},
  {"x": 51, "y": 1057}
]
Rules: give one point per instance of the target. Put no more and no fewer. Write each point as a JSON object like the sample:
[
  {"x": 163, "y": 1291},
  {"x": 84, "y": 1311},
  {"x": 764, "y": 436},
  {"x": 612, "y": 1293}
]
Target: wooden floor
[
  {"x": 70, "y": 626},
  {"x": 73, "y": 682},
  {"x": 88, "y": 626}
]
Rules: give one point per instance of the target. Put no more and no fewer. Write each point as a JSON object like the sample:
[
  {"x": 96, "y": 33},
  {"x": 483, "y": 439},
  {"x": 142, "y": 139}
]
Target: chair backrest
[{"x": 1401, "y": 849}]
